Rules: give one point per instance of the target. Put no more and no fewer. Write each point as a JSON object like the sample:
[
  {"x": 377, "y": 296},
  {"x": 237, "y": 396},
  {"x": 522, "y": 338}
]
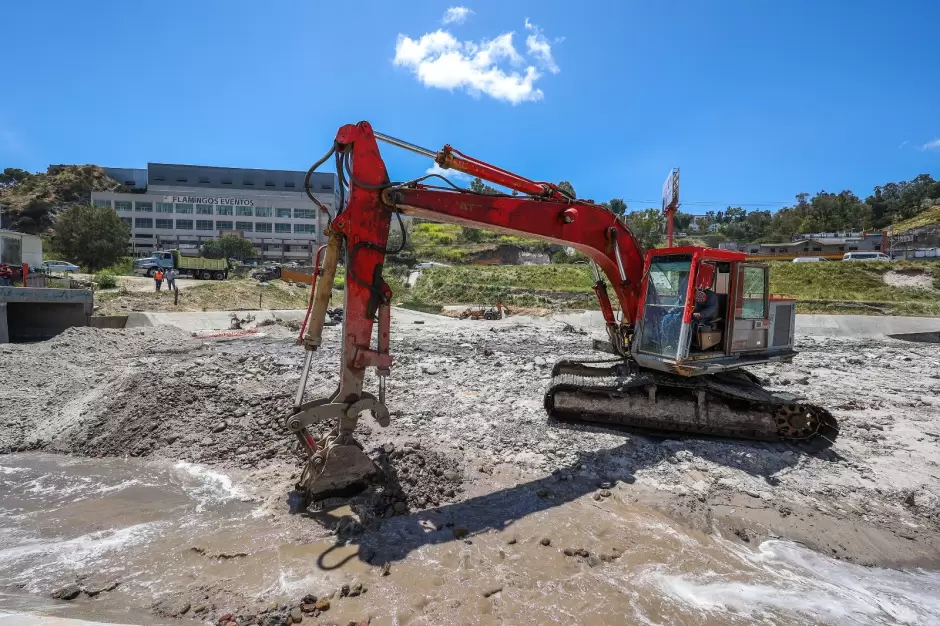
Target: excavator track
[{"x": 730, "y": 404}]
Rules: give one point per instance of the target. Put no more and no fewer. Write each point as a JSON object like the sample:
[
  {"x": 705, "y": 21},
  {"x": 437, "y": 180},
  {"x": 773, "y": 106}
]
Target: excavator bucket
[{"x": 343, "y": 471}]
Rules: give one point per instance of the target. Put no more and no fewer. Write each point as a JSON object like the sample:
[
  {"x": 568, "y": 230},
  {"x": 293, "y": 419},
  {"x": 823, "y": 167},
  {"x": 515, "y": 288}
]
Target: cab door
[{"x": 751, "y": 321}]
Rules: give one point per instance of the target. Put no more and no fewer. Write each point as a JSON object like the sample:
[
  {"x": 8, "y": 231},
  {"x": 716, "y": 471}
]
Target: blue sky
[{"x": 755, "y": 100}]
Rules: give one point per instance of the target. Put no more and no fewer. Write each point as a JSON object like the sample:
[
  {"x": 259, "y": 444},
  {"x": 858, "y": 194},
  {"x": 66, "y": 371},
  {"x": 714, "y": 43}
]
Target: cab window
[{"x": 752, "y": 286}]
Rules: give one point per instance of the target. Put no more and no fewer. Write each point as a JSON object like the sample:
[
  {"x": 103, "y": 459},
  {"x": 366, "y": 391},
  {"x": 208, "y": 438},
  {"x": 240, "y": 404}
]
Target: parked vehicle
[
  {"x": 865, "y": 256},
  {"x": 59, "y": 266},
  {"x": 809, "y": 259},
  {"x": 197, "y": 267}
]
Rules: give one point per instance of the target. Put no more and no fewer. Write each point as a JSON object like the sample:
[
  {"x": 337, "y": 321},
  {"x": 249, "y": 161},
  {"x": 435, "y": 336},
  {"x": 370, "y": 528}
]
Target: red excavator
[{"x": 689, "y": 318}]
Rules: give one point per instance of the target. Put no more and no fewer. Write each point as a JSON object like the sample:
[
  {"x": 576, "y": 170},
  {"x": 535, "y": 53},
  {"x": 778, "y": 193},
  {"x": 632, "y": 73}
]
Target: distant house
[
  {"x": 714, "y": 228},
  {"x": 830, "y": 247}
]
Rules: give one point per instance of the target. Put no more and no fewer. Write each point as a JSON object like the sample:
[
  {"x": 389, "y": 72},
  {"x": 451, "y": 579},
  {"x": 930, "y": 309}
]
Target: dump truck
[{"x": 197, "y": 267}]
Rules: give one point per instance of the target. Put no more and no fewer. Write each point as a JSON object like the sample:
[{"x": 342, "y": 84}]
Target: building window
[
  {"x": 244, "y": 211},
  {"x": 272, "y": 247},
  {"x": 223, "y": 209},
  {"x": 817, "y": 249},
  {"x": 159, "y": 178},
  {"x": 184, "y": 224},
  {"x": 268, "y": 183},
  {"x": 773, "y": 250},
  {"x": 754, "y": 250},
  {"x": 248, "y": 183},
  {"x": 841, "y": 248},
  {"x": 204, "y": 225},
  {"x": 104, "y": 203},
  {"x": 203, "y": 209},
  {"x": 143, "y": 222},
  {"x": 121, "y": 205},
  {"x": 263, "y": 227},
  {"x": 204, "y": 180},
  {"x": 305, "y": 214},
  {"x": 182, "y": 180},
  {"x": 263, "y": 211},
  {"x": 326, "y": 187},
  {"x": 289, "y": 184},
  {"x": 805, "y": 249},
  {"x": 223, "y": 225},
  {"x": 282, "y": 213},
  {"x": 142, "y": 236},
  {"x": 853, "y": 248},
  {"x": 127, "y": 221},
  {"x": 877, "y": 246},
  {"x": 246, "y": 226},
  {"x": 226, "y": 181},
  {"x": 282, "y": 228},
  {"x": 184, "y": 208},
  {"x": 143, "y": 207},
  {"x": 165, "y": 224},
  {"x": 164, "y": 207},
  {"x": 310, "y": 229}
]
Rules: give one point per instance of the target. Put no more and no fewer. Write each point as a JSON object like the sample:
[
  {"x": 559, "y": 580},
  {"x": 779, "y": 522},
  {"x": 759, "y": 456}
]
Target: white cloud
[
  {"x": 903, "y": 143},
  {"x": 539, "y": 47},
  {"x": 446, "y": 173},
  {"x": 931, "y": 145},
  {"x": 456, "y": 15},
  {"x": 439, "y": 60}
]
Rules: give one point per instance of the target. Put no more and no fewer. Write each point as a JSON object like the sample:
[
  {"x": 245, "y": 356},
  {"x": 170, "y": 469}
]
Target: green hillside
[{"x": 833, "y": 287}]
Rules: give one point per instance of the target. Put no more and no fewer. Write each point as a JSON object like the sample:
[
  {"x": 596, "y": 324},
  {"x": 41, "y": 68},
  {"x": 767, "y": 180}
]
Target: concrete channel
[{"x": 34, "y": 313}]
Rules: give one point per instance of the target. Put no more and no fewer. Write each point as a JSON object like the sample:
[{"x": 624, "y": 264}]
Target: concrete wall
[{"x": 30, "y": 313}]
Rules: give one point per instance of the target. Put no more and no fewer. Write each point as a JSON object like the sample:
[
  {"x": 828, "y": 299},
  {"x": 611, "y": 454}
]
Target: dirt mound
[{"x": 917, "y": 279}]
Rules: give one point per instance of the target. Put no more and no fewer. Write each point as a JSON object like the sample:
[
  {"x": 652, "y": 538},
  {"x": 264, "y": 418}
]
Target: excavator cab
[{"x": 706, "y": 311}]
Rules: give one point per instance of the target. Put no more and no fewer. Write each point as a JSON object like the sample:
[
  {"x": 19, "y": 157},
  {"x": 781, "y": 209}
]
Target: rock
[
  {"x": 546, "y": 541},
  {"x": 605, "y": 485},
  {"x": 68, "y": 592},
  {"x": 605, "y": 493},
  {"x": 451, "y": 475},
  {"x": 752, "y": 493},
  {"x": 460, "y": 532},
  {"x": 540, "y": 362},
  {"x": 93, "y": 590},
  {"x": 323, "y": 604},
  {"x": 273, "y": 619},
  {"x": 386, "y": 568},
  {"x": 582, "y": 553},
  {"x": 492, "y": 591},
  {"x": 171, "y": 439},
  {"x": 296, "y": 616},
  {"x": 512, "y": 541},
  {"x": 220, "y": 426},
  {"x": 309, "y": 607},
  {"x": 200, "y": 609},
  {"x": 593, "y": 561},
  {"x": 344, "y": 591},
  {"x": 355, "y": 589},
  {"x": 429, "y": 368},
  {"x": 568, "y": 551},
  {"x": 400, "y": 507}
]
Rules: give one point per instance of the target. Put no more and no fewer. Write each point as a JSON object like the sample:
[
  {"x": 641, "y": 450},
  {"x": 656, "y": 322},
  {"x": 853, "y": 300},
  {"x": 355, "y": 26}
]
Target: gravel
[{"x": 466, "y": 402}]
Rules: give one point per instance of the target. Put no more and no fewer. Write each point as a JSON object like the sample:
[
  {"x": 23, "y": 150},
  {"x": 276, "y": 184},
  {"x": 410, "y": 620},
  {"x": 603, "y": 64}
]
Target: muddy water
[{"x": 163, "y": 528}]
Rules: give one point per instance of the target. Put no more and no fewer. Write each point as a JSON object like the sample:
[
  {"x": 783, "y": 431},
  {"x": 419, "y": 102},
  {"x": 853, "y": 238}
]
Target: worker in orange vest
[{"x": 158, "y": 278}]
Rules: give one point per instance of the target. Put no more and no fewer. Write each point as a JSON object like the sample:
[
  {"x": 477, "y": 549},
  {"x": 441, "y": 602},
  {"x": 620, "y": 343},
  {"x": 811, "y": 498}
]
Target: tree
[
  {"x": 567, "y": 188},
  {"x": 93, "y": 237},
  {"x": 13, "y": 175},
  {"x": 647, "y": 227},
  {"x": 228, "y": 247},
  {"x": 617, "y": 205}
]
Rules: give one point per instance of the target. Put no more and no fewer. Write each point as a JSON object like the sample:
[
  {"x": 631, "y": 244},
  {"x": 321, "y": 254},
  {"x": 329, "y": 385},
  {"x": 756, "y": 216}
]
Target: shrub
[{"x": 106, "y": 280}]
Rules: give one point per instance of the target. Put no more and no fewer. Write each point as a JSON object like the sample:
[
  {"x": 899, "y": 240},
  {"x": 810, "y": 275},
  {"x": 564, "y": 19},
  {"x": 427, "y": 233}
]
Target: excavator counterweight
[{"x": 687, "y": 319}]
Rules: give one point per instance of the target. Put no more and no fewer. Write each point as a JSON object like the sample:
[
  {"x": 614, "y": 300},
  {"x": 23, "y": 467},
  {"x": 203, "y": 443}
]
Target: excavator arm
[{"x": 360, "y": 229}]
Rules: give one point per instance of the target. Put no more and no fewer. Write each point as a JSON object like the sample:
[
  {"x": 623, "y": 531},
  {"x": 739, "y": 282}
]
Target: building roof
[{"x": 195, "y": 176}]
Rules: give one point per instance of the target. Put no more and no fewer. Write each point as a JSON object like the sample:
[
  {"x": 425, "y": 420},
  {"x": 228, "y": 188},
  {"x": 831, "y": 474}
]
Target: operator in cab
[{"x": 706, "y": 300}]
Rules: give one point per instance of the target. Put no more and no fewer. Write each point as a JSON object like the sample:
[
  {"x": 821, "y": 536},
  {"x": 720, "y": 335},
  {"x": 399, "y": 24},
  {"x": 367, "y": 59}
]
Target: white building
[{"x": 180, "y": 206}]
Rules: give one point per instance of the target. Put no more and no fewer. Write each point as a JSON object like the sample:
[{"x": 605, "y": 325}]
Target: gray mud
[{"x": 470, "y": 455}]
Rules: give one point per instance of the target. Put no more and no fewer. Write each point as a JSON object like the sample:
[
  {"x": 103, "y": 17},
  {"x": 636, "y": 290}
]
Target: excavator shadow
[{"x": 398, "y": 536}]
